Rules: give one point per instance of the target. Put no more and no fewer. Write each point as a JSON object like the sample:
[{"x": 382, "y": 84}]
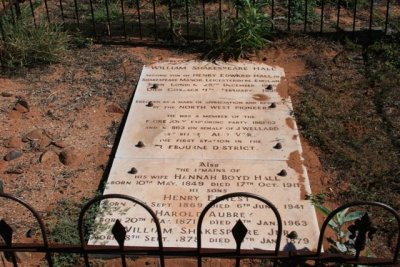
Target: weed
[
  {"x": 243, "y": 35},
  {"x": 297, "y": 10},
  {"x": 350, "y": 111},
  {"x": 342, "y": 242},
  {"x": 26, "y": 45},
  {"x": 101, "y": 14},
  {"x": 64, "y": 228}
]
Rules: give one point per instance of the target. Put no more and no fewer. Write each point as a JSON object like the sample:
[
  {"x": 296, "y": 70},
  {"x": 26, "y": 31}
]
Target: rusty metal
[
  {"x": 97, "y": 200},
  {"x": 139, "y": 19},
  {"x": 200, "y": 30},
  {"x": 362, "y": 203},
  {"x": 38, "y": 220},
  {"x": 361, "y": 229},
  {"x": 354, "y": 19},
  {"x": 237, "y": 236}
]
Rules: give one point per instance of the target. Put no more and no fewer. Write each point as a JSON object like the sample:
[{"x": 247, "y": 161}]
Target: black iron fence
[
  {"x": 361, "y": 229},
  {"x": 191, "y": 20}
]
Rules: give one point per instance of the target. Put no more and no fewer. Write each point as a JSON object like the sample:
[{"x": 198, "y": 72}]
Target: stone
[
  {"x": 1, "y": 186},
  {"x": 114, "y": 108},
  {"x": 38, "y": 136},
  {"x": 3, "y": 165},
  {"x": 59, "y": 143},
  {"x": 13, "y": 154},
  {"x": 13, "y": 142},
  {"x": 6, "y": 94},
  {"x": 48, "y": 156},
  {"x": 22, "y": 106},
  {"x": 70, "y": 156},
  {"x": 33, "y": 135},
  {"x": 212, "y": 129},
  {"x": 15, "y": 170}
]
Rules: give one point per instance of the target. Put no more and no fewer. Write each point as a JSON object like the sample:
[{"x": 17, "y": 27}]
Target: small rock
[
  {"x": 15, "y": 170},
  {"x": 114, "y": 108},
  {"x": 29, "y": 233},
  {"x": 13, "y": 154},
  {"x": 13, "y": 142},
  {"x": 44, "y": 142},
  {"x": 3, "y": 165},
  {"x": 48, "y": 156},
  {"x": 38, "y": 136},
  {"x": 22, "y": 106},
  {"x": 33, "y": 135},
  {"x": 6, "y": 94},
  {"x": 59, "y": 144},
  {"x": 70, "y": 156}
]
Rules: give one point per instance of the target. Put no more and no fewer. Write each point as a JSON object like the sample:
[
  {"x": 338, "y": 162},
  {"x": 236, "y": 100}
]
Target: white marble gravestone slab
[
  {"x": 177, "y": 191},
  {"x": 217, "y": 129},
  {"x": 199, "y": 130}
]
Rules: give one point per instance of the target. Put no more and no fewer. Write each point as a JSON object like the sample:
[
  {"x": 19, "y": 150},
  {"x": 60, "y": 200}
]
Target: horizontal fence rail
[
  {"x": 183, "y": 21},
  {"x": 361, "y": 229}
]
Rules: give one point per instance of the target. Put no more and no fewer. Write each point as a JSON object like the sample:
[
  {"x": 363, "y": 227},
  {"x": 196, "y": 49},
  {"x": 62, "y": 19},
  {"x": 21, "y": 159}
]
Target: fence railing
[
  {"x": 362, "y": 228},
  {"x": 183, "y": 21}
]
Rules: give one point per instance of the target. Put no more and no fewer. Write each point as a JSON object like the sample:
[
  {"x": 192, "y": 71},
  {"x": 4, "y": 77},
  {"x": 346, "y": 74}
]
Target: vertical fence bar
[
  {"x": 187, "y": 18},
  {"x": 39, "y": 222},
  {"x": 155, "y": 20},
  {"x": 338, "y": 16},
  {"x": 387, "y": 16},
  {"x": 47, "y": 11},
  {"x": 123, "y": 18},
  {"x": 17, "y": 9},
  {"x": 33, "y": 13},
  {"x": 273, "y": 13},
  {"x": 77, "y": 13},
  {"x": 354, "y": 19},
  {"x": 289, "y": 14},
  {"x": 220, "y": 15},
  {"x": 62, "y": 11},
  {"x": 108, "y": 18},
  {"x": 3, "y": 37},
  {"x": 305, "y": 15},
  {"x": 139, "y": 19},
  {"x": 11, "y": 11},
  {"x": 93, "y": 20},
  {"x": 97, "y": 201},
  {"x": 204, "y": 19},
  {"x": 237, "y": 8},
  {"x": 322, "y": 16},
  {"x": 371, "y": 11},
  {"x": 171, "y": 23},
  {"x": 3, "y": 34}
]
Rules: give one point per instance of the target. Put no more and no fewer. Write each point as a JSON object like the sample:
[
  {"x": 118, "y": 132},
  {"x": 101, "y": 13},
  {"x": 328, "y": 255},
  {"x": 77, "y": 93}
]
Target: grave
[{"x": 198, "y": 130}]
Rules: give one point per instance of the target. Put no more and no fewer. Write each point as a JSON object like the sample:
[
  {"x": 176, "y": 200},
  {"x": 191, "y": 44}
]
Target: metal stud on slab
[
  {"x": 278, "y": 146},
  {"x": 133, "y": 171},
  {"x": 282, "y": 173},
  {"x": 140, "y": 144}
]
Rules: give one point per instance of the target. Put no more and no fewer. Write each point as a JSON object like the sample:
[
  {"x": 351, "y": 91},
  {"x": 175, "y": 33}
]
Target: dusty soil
[{"x": 60, "y": 123}]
